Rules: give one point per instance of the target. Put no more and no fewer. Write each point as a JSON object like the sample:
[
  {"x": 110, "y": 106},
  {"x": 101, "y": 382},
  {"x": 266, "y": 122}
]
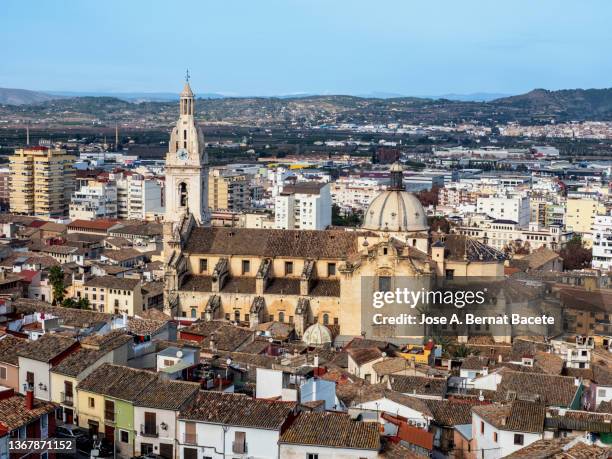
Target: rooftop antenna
[
  {"x": 116, "y": 137},
  {"x": 28, "y": 133}
]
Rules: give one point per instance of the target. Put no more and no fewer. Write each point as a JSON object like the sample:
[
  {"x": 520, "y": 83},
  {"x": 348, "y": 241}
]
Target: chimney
[
  {"x": 316, "y": 361},
  {"x": 29, "y": 399},
  {"x": 503, "y": 421}
]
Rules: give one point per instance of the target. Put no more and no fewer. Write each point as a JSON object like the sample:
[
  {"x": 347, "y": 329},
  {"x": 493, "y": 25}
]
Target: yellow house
[{"x": 110, "y": 294}]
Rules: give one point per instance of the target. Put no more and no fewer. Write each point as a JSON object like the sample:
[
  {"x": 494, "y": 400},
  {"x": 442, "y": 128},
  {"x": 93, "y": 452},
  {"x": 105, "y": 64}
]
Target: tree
[
  {"x": 575, "y": 255},
  {"x": 428, "y": 197},
  {"x": 56, "y": 278},
  {"x": 352, "y": 219},
  {"x": 439, "y": 224}
]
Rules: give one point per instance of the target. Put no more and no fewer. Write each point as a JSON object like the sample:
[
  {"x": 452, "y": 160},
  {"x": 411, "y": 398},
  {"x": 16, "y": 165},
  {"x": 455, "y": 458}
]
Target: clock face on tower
[{"x": 182, "y": 154}]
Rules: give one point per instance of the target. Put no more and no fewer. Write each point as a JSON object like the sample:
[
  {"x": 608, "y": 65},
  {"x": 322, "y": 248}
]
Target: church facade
[{"x": 253, "y": 276}]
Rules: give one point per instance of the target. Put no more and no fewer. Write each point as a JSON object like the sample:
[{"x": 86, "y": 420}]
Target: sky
[{"x": 281, "y": 47}]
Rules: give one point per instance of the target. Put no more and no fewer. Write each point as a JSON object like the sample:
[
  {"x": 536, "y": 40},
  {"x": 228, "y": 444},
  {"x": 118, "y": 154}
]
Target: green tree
[
  {"x": 575, "y": 255},
  {"x": 56, "y": 278}
]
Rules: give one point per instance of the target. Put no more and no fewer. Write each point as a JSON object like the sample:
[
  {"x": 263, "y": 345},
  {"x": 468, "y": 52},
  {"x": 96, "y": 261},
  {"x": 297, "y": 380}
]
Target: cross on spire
[{"x": 187, "y": 76}]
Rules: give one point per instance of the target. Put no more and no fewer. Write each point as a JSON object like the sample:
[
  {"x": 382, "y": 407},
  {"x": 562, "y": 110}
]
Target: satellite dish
[{"x": 179, "y": 354}]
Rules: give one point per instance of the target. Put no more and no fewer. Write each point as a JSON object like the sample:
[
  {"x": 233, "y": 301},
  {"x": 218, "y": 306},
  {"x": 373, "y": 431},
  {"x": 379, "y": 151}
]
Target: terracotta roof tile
[
  {"x": 329, "y": 429},
  {"x": 237, "y": 410}
]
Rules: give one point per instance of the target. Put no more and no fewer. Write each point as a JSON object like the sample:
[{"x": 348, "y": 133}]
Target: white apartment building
[
  {"x": 355, "y": 193},
  {"x": 602, "y": 242},
  {"x": 305, "y": 205},
  {"x": 137, "y": 196},
  {"x": 501, "y": 233},
  {"x": 97, "y": 199},
  {"x": 510, "y": 207}
]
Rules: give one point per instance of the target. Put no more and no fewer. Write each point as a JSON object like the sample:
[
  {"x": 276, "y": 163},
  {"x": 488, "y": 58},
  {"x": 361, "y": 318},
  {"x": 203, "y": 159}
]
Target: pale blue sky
[{"x": 265, "y": 47}]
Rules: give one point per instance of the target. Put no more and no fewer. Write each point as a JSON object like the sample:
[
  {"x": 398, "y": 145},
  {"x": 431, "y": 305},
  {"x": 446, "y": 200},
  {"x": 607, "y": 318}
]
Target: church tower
[{"x": 186, "y": 188}]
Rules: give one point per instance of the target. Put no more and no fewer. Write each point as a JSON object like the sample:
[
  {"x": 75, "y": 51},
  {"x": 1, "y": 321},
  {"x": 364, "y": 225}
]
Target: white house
[
  {"x": 156, "y": 414},
  {"x": 511, "y": 207},
  {"x": 328, "y": 435},
  {"x": 217, "y": 425},
  {"x": 500, "y": 430},
  {"x": 37, "y": 359},
  {"x": 372, "y": 404}
]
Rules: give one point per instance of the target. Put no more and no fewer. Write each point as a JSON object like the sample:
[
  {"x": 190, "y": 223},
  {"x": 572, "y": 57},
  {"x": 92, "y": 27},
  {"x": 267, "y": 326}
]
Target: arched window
[
  {"x": 194, "y": 313},
  {"x": 183, "y": 194},
  {"x": 237, "y": 315},
  {"x": 414, "y": 242},
  {"x": 281, "y": 316},
  {"x": 325, "y": 319}
]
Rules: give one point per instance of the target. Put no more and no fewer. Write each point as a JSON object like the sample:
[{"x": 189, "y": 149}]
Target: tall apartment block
[
  {"x": 41, "y": 181},
  {"x": 228, "y": 190}
]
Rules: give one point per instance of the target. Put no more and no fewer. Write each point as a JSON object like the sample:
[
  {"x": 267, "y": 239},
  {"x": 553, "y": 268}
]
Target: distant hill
[
  {"x": 10, "y": 96},
  {"x": 537, "y": 106},
  {"x": 566, "y": 103}
]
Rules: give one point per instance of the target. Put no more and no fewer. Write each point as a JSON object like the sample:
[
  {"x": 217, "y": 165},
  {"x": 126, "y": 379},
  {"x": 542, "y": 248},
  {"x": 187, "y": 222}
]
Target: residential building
[
  {"x": 327, "y": 435},
  {"x": 24, "y": 418},
  {"x": 353, "y": 194},
  {"x": 41, "y": 182},
  {"x": 509, "y": 208},
  {"x": 5, "y": 193},
  {"x": 38, "y": 358},
  {"x": 602, "y": 242},
  {"x": 228, "y": 190},
  {"x": 96, "y": 199},
  {"x": 581, "y": 213},
  {"x": 500, "y": 430},
  {"x": 106, "y": 404},
  {"x": 137, "y": 196},
  {"x": 303, "y": 206},
  {"x": 218, "y": 425},
  {"x": 10, "y": 346},
  {"x": 110, "y": 294},
  {"x": 156, "y": 414}
]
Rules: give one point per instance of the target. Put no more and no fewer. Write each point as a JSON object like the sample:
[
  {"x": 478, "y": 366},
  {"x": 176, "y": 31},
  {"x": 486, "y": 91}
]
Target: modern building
[
  {"x": 41, "y": 181},
  {"x": 228, "y": 190},
  {"x": 581, "y": 214},
  {"x": 355, "y": 193},
  {"x": 514, "y": 208},
  {"x": 602, "y": 242},
  {"x": 96, "y": 199},
  {"x": 5, "y": 193},
  {"x": 137, "y": 196},
  {"x": 305, "y": 205}
]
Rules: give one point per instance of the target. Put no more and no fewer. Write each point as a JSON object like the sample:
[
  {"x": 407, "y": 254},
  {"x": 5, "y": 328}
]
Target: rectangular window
[
  {"x": 92, "y": 402},
  {"x": 481, "y": 427},
  {"x": 495, "y": 437},
  {"x": 124, "y": 436},
  {"x": 312, "y": 456},
  {"x": 246, "y": 266},
  {"x": 331, "y": 269},
  {"x": 450, "y": 274},
  {"x": 2, "y": 372},
  {"x": 384, "y": 283},
  {"x": 190, "y": 453},
  {"x": 203, "y": 265},
  {"x": 288, "y": 268},
  {"x": 519, "y": 439},
  {"x": 109, "y": 410},
  {"x": 239, "y": 445}
]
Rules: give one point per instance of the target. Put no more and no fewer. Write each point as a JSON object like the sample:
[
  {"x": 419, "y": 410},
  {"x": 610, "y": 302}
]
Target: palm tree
[{"x": 56, "y": 278}]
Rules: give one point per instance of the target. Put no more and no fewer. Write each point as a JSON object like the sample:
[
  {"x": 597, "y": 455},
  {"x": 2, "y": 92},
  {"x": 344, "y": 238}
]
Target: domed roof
[
  {"x": 395, "y": 209},
  {"x": 316, "y": 335}
]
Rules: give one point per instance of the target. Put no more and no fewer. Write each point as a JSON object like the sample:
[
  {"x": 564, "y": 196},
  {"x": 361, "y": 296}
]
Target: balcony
[
  {"x": 109, "y": 416},
  {"x": 149, "y": 431},
  {"x": 67, "y": 400},
  {"x": 190, "y": 439}
]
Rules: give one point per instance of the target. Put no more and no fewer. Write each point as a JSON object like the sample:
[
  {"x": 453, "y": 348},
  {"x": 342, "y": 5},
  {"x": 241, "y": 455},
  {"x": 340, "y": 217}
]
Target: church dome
[
  {"x": 317, "y": 335},
  {"x": 395, "y": 209}
]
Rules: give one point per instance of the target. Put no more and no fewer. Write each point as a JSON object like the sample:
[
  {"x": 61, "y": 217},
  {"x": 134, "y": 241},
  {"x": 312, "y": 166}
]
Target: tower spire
[{"x": 187, "y": 76}]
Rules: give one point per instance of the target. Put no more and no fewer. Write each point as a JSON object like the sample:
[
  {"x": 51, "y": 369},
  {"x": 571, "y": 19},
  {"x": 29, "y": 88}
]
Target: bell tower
[{"x": 186, "y": 189}]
